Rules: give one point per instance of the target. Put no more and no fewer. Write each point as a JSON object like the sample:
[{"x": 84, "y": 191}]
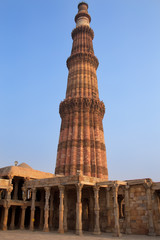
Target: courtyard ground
[{"x": 37, "y": 235}]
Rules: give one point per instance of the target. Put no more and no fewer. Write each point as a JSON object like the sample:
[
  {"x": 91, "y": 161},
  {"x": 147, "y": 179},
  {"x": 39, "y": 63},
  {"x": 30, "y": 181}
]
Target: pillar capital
[
  {"x": 33, "y": 190},
  {"x": 61, "y": 188},
  {"x": 148, "y": 183},
  {"x": 115, "y": 186},
  {"x": 9, "y": 190},
  {"x": 127, "y": 187},
  {"x": 10, "y": 178},
  {"x": 79, "y": 186},
  {"x": 47, "y": 189},
  {"x": 96, "y": 190}
]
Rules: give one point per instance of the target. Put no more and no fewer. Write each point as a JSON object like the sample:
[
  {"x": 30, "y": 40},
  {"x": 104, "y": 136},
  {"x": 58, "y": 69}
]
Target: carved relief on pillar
[
  {"x": 116, "y": 210},
  {"x": 33, "y": 190},
  {"x": 148, "y": 187},
  {"x": 108, "y": 192},
  {"x": 46, "y": 209},
  {"x": 13, "y": 218},
  {"x": 24, "y": 193},
  {"x": 5, "y": 217},
  {"x": 79, "y": 187},
  {"x": 96, "y": 209},
  {"x": 22, "y": 217},
  {"x": 8, "y": 195},
  {"x": 61, "y": 209}
]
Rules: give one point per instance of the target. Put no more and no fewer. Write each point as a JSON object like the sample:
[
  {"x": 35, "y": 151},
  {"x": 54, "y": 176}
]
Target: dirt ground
[{"x": 37, "y": 235}]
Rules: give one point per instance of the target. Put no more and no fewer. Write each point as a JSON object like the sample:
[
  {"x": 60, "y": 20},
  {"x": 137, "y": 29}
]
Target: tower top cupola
[{"x": 82, "y": 17}]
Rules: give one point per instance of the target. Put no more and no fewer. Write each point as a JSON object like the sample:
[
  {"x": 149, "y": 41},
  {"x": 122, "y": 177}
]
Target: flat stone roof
[{"x": 25, "y": 172}]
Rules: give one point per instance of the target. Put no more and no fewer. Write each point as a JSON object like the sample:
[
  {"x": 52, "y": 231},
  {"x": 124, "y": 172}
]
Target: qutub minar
[
  {"x": 79, "y": 195},
  {"x": 81, "y": 145}
]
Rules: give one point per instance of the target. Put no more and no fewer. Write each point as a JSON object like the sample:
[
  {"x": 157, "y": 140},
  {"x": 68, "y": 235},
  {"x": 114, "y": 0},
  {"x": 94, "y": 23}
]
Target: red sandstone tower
[{"x": 81, "y": 142}]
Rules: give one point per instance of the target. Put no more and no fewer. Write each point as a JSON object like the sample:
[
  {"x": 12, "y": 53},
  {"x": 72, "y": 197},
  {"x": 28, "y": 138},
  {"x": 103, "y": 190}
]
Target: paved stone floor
[{"x": 37, "y": 235}]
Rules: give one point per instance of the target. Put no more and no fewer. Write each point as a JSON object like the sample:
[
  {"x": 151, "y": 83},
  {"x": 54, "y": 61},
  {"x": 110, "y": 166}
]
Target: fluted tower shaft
[{"x": 81, "y": 143}]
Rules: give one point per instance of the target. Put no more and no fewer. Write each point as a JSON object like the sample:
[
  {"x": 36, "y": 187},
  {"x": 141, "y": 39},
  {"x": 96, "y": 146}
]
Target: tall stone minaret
[{"x": 81, "y": 145}]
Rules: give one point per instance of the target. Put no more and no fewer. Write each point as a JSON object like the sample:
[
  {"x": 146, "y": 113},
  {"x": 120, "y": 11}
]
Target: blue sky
[{"x": 35, "y": 42}]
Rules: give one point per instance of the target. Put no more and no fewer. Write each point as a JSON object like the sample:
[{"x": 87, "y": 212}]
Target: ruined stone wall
[
  {"x": 138, "y": 209},
  {"x": 156, "y": 211}
]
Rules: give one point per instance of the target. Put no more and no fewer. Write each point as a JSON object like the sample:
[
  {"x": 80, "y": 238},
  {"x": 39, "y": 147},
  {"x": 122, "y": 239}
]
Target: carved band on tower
[{"x": 81, "y": 143}]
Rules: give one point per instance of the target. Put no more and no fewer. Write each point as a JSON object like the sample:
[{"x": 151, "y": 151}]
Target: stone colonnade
[{"x": 48, "y": 209}]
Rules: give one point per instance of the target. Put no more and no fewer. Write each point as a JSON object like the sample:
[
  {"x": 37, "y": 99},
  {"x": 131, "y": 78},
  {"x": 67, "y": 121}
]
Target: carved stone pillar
[
  {"x": 24, "y": 193},
  {"x": 32, "y": 209},
  {"x": 127, "y": 211},
  {"x": 96, "y": 210},
  {"x": 148, "y": 186},
  {"x": 8, "y": 193},
  {"x": 22, "y": 217},
  {"x": 15, "y": 193},
  {"x": 116, "y": 211},
  {"x": 65, "y": 212},
  {"x": 13, "y": 218},
  {"x": 61, "y": 209},
  {"x": 5, "y": 218},
  {"x": 46, "y": 209},
  {"x": 51, "y": 210},
  {"x": 108, "y": 209},
  {"x": 79, "y": 209}
]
